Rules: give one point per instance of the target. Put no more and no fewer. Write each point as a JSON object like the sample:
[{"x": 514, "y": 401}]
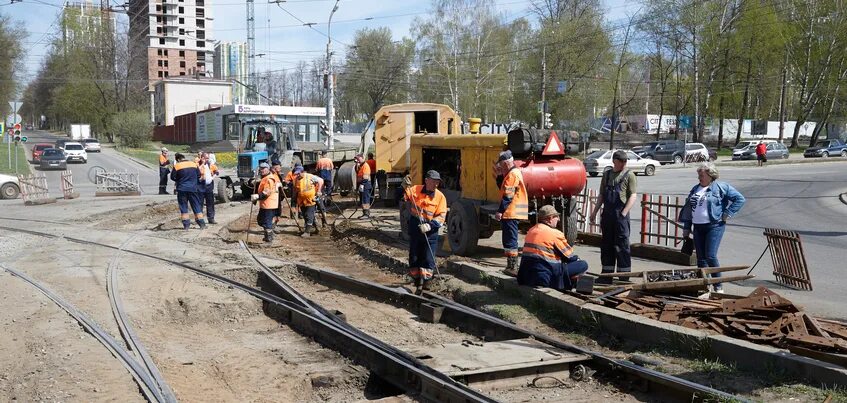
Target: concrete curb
[{"x": 743, "y": 354}]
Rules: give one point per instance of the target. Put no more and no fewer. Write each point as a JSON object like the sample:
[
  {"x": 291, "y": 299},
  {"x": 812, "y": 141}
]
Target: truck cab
[{"x": 258, "y": 141}]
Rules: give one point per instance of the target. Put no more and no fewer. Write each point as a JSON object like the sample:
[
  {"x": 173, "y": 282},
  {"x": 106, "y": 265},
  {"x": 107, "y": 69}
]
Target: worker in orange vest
[
  {"x": 427, "y": 210},
  {"x": 548, "y": 259},
  {"x": 276, "y": 171},
  {"x": 164, "y": 170},
  {"x": 307, "y": 187},
  {"x": 363, "y": 180},
  {"x": 288, "y": 182},
  {"x": 267, "y": 196},
  {"x": 324, "y": 167},
  {"x": 514, "y": 207}
]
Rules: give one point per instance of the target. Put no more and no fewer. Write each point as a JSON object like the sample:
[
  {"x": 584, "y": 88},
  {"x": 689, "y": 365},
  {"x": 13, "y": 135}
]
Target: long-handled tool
[
  {"x": 421, "y": 218},
  {"x": 284, "y": 198},
  {"x": 249, "y": 218}
]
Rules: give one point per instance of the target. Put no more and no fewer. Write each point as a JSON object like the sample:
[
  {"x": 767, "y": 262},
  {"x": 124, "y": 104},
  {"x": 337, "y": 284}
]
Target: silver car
[
  {"x": 9, "y": 187},
  {"x": 601, "y": 161},
  {"x": 91, "y": 145}
]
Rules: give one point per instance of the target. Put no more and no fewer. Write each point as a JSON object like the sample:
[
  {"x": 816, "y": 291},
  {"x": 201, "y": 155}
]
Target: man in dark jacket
[{"x": 186, "y": 174}]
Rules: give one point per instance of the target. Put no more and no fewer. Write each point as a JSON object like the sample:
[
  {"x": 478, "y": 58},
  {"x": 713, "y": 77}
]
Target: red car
[{"x": 37, "y": 150}]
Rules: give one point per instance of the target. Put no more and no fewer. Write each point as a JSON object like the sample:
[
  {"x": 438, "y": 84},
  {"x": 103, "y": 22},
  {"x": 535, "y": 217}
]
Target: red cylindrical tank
[{"x": 545, "y": 178}]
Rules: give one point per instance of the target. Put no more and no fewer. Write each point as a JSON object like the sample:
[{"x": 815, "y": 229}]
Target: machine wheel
[
  {"x": 594, "y": 174},
  {"x": 9, "y": 191},
  {"x": 825, "y": 155},
  {"x": 404, "y": 221},
  {"x": 649, "y": 170},
  {"x": 677, "y": 159},
  {"x": 568, "y": 220},
  {"x": 462, "y": 228},
  {"x": 225, "y": 191}
]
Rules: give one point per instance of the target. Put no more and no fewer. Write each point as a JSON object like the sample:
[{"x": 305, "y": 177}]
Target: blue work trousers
[
  {"x": 422, "y": 247},
  {"x": 510, "y": 236},
  {"x": 537, "y": 272},
  {"x": 209, "y": 199},
  {"x": 326, "y": 175},
  {"x": 365, "y": 196},
  {"x": 265, "y": 218}
]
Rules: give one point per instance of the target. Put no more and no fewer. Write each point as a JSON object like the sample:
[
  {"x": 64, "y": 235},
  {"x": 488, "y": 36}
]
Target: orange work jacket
[
  {"x": 305, "y": 189},
  {"x": 363, "y": 173},
  {"x": 268, "y": 187},
  {"x": 542, "y": 240},
  {"x": 514, "y": 187},
  {"x": 432, "y": 208}
]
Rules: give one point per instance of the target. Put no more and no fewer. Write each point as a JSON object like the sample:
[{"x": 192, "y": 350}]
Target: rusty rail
[{"x": 789, "y": 260}]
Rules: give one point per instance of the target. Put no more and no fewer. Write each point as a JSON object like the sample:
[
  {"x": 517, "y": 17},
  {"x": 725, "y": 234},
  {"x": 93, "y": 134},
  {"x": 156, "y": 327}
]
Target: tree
[
  {"x": 131, "y": 128},
  {"x": 10, "y": 63}
]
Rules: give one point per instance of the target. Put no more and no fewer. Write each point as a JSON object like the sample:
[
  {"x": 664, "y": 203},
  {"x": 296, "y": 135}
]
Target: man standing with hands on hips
[
  {"x": 616, "y": 197},
  {"x": 427, "y": 210},
  {"x": 514, "y": 207}
]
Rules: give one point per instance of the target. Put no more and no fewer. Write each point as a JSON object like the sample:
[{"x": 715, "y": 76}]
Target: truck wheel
[
  {"x": 462, "y": 228},
  {"x": 225, "y": 191},
  {"x": 9, "y": 191},
  {"x": 404, "y": 221},
  {"x": 568, "y": 220},
  {"x": 677, "y": 159},
  {"x": 246, "y": 191}
]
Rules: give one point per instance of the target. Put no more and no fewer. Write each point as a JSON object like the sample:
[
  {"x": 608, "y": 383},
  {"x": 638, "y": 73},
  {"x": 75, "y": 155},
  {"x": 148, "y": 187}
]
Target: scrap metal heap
[{"x": 763, "y": 317}]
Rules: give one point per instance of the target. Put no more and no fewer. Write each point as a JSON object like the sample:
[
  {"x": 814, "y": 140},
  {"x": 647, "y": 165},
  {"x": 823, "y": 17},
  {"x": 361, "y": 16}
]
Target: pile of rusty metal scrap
[{"x": 762, "y": 317}]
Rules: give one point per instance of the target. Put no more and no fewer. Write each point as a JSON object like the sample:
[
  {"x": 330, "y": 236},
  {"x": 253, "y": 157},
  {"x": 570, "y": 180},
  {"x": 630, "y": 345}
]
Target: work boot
[
  {"x": 212, "y": 221},
  {"x": 186, "y": 224},
  {"x": 305, "y": 234},
  {"x": 201, "y": 223},
  {"x": 605, "y": 280},
  {"x": 511, "y": 266},
  {"x": 426, "y": 284},
  {"x": 269, "y": 235},
  {"x": 366, "y": 215}
]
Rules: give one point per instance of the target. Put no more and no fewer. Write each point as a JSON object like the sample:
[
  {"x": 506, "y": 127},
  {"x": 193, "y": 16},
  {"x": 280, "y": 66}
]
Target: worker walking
[
  {"x": 363, "y": 182},
  {"x": 186, "y": 174},
  {"x": 427, "y": 210},
  {"x": 616, "y": 197},
  {"x": 548, "y": 259},
  {"x": 208, "y": 172},
  {"x": 307, "y": 187},
  {"x": 164, "y": 170},
  {"x": 267, "y": 196},
  {"x": 324, "y": 167},
  {"x": 514, "y": 207}
]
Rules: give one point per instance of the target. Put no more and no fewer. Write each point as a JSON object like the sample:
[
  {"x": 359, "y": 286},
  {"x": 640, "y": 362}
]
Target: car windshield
[
  {"x": 822, "y": 144},
  {"x": 73, "y": 147},
  {"x": 91, "y": 141},
  {"x": 650, "y": 146},
  {"x": 42, "y": 147},
  {"x": 596, "y": 155},
  {"x": 743, "y": 144},
  {"x": 50, "y": 151}
]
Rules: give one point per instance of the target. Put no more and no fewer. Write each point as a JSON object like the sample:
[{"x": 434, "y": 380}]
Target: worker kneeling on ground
[
  {"x": 307, "y": 187},
  {"x": 268, "y": 198},
  {"x": 427, "y": 208},
  {"x": 548, "y": 260}
]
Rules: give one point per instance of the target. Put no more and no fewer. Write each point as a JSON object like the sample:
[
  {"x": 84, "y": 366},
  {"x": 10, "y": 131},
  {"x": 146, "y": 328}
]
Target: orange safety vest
[
  {"x": 212, "y": 168},
  {"x": 432, "y": 208},
  {"x": 306, "y": 190},
  {"x": 364, "y": 172},
  {"x": 371, "y": 164},
  {"x": 542, "y": 240},
  {"x": 163, "y": 161},
  {"x": 290, "y": 177},
  {"x": 514, "y": 187},
  {"x": 268, "y": 186},
  {"x": 324, "y": 163}
]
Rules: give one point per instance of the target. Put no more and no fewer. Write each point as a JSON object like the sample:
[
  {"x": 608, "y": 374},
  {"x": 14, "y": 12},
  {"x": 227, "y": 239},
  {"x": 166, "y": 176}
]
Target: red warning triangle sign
[{"x": 554, "y": 145}]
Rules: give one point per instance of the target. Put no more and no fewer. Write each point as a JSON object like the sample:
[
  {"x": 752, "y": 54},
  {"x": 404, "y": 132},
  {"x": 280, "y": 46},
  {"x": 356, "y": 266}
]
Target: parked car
[
  {"x": 740, "y": 151},
  {"x": 601, "y": 161},
  {"x": 28, "y": 127},
  {"x": 774, "y": 151},
  {"x": 664, "y": 151},
  {"x": 826, "y": 148},
  {"x": 75, "y": 152},
  {"x": 699, "y": 152},
  {"x": 91, "y": 145},
  {"x": 53, "y": 158},
  {"x": 37, "y": 150},
  {"x": 9, "y": 187}
]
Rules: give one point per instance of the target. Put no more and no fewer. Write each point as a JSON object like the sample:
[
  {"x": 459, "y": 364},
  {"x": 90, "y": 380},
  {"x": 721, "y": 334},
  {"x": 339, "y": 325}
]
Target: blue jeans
[
  {"x": 510, "y": 236},
  {"x": 707, "y": 240}
]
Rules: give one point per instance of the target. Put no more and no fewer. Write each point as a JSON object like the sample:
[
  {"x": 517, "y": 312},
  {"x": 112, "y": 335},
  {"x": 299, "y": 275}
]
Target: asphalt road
[
  {"x": 108, "y": 159},
  {"x": 799, "y": 197}
]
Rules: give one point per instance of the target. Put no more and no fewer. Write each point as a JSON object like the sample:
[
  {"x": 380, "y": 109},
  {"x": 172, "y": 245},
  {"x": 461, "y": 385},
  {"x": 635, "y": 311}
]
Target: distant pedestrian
[
  {"x": 164, "y": 170},
  {"x": 186, "y": 174},
  {"x": 364, "y": 185},
  {"x": 514, "y": 207},
  {"x": 324, "y": 167},
  {"x": 548, "y": 259},
  {"x": 208, "y": 172},
  {"x": 267, "y": 196},
  {"x": 427, "y": 211},
  {"x": 762, "y": 153},
  {"x": 307, "y": 187},
  {"x": 708, "y": 206},
  {"x": 616, "y": 198}
]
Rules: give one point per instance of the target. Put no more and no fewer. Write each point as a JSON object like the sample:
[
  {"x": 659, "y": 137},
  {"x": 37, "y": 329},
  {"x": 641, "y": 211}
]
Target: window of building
[
  {"x": 182, "y": 73},
  {"x": 182, "y": 20},
  {"x": 166, "y": 63},
  {"x": 201, "y": 23},
  {"x": 201, "y": 55},
  {"x": 201, "y": 34},
  {"x": 181, "y": 10},
  {"x": 166, "y": 74},
  {"x": 181, "y": 53},
  {"x": 200, "y": 3},
  {"x": 158, "y": 19},
  {"x": 201, "y": 44},
  {"x": 158, "y": 30},
  {"x": 182, "y": 64},
  {"x": 159, "y": 63},
  {"x": 165, "y": 52},
  {"x": 182, "y": 42},
  {"x": 181, "y": 31},
  {"x": 159, "y": 52},
  {"x": 161, "y": 74},
  {"x": 158, "y": 8},
  {"x": 161, "y": 41}
]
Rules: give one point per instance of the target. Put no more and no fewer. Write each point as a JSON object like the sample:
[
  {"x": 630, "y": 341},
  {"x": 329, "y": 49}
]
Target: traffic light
[
  {"x": 324, "y": 129},
  {"x": 16, "y": 131},
  {"x": 548, "y": 119}
]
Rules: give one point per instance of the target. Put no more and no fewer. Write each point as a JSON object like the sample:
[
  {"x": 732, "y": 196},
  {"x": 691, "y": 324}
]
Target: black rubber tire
[
  {"x": 463, "y": 228},
  {"x": 568, "y": 221},
  {"x": 677, "y": 159},
  {"x": 9, "y": 191},
  {"x": 649, "y": 170},
  {"x": 785, "y": 156},
  {"x": 225, "y": 192},
  {"x": 844, "y": 153},
  {"x": 825, "y": 155}
]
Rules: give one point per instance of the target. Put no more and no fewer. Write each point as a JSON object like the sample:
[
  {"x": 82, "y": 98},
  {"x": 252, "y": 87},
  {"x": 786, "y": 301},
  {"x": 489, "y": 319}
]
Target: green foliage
[
  {"x": 10, "y": 60},
  {"x": 132, "y": 128}
]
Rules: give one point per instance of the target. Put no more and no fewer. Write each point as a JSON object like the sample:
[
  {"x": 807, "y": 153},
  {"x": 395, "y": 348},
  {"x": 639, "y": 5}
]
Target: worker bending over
[
  {"x": 324, "y": 167},
  {"x": 208, "y": 172},
  {"x": 363, "y": 182},
  {"x": 307, "y": 187},
  {"x": 268, "y": 198},
  {"x": 427, "y": 208},
  {"x": 514, "y": 207},
  {"x": 186, "y": 174},
  {"x": 548, "y": 259},
  {"x": 288, "y": 191}
]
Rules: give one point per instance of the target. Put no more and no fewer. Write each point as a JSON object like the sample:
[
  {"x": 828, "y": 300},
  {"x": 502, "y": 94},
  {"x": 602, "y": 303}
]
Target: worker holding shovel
[{"x": 427, "y": 208}]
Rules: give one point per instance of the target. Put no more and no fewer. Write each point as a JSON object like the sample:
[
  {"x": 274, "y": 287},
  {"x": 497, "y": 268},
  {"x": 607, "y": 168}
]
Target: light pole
[{"x": 330, "y": 82}]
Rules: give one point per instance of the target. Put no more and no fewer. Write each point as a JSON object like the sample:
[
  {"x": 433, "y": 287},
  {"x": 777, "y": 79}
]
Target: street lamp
[{"x": 330, "y": 99}]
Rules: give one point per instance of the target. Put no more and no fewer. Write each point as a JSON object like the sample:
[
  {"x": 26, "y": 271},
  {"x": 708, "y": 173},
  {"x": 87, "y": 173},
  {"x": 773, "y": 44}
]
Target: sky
[{"x": 280, "y": 35}]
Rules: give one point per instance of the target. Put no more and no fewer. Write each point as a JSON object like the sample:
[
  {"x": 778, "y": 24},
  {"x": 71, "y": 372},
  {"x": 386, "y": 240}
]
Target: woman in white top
[{"x": 707, "y": 208}]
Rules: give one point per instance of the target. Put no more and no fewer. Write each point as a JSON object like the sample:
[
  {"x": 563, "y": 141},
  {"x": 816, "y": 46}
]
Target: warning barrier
[
  {"x": 789, "y": 261},
  {"x": 585, "y": 205},
  {"x": 659, "y": 225},
  {"x": 34, "y": 189},
  {"x": 67, "y": 183},
  {"x": 115, "y": 183}
]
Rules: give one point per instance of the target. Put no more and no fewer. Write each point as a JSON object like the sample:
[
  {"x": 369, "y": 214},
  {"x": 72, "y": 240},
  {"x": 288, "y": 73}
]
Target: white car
[
  {"x": 696, "y": 149},
  {"x": 601, "y": 161},
  {"x": 75, "y": 152},
  {"x": 9, "y": 187},
  {"x": 91, "y": 145}
]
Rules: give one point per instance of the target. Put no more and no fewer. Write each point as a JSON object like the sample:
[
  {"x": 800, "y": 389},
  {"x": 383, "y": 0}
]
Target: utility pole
[
  {"x": 330, "y": 83},
  {"x": 543, "y": 87},
  {"x": 251, "y": 52},
  {"x": 782, "y": 98}
]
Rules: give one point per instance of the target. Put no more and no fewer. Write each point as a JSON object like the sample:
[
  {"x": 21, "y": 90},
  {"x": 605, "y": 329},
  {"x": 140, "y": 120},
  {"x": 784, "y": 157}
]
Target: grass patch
[
  {"x": 150, "y": 154},
  {"x": 806, "y": 392},
  {"x": 22, "y": 166}
]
